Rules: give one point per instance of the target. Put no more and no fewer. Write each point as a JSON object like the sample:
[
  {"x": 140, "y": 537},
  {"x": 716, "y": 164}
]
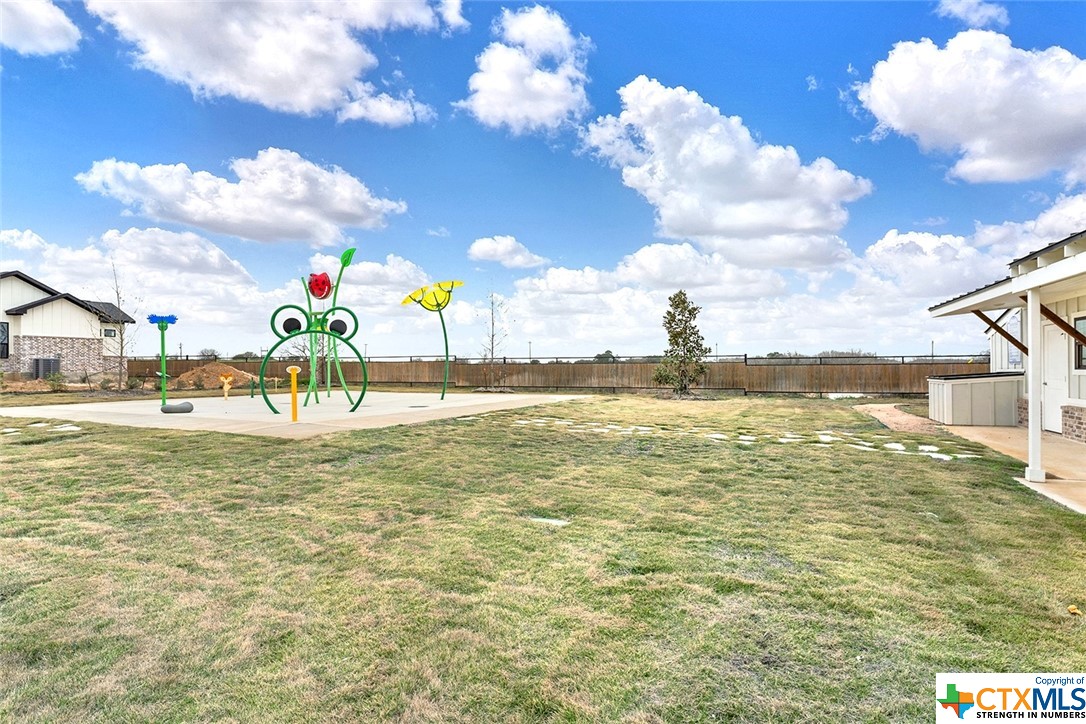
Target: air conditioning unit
[{"x": 44, "y": 366}]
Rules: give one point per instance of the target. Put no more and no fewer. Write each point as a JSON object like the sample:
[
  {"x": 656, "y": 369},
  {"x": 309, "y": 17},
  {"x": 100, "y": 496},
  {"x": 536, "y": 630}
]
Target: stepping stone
[
  {"x": 937, "y": 456},
  {"x": 556, "y": 522}
]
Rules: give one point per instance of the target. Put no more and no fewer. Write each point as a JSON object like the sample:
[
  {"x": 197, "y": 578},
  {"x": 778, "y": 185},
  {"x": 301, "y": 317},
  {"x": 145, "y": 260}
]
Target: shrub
[
  {"x": 134, "y": 382},
  {"x": 197, "y": 384},
  {"x": 106, "y": 384},
  {"x": 56, "y": 382}
]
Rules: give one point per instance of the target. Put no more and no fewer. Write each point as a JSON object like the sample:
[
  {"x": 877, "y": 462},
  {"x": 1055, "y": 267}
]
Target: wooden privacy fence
[{"x": 738, "y": 376}]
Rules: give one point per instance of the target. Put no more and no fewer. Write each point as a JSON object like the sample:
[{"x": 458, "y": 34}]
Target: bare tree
[
  {"x": 496, "y": 332},
  {"x": 125, "y": 338}
]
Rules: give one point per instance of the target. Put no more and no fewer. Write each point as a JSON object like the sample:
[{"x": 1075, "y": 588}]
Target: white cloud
[
  {"x": 1008, "y": 114},
  {"x": 1014, "y": 239},
  {"x": 300, "y": 57},
  {"x": 383, "y": 109},
  {"x": 278, "y": 196},
  {"x": 812, "y": 83},
  {"x": 570, "y": 311},
  {"x": 505, "y": 250},
  {"x": 877, "y": 301},
  {"x": 533, "y": 77},
  {"x": 451, "y": 14},
  {"x": 921, "y": 264},
  {"x": 36, "y": 27},
  {"x": 974, "y": 13},
  {"x": 671, "y": 266},
  {"x": 711, "y": 182},
  {"x": 440, "y": 231}
]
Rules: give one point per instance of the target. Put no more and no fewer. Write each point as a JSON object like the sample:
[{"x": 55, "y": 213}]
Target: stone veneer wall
[
  {"x": 1073, "y": 419},
  {"x": 77, "y": 354},
  {"x": 1074, "y": 422}
]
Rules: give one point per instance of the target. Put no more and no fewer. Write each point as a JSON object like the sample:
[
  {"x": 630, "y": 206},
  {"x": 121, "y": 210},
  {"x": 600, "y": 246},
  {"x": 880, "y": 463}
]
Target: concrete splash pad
[{"x": 243, "y": 415}]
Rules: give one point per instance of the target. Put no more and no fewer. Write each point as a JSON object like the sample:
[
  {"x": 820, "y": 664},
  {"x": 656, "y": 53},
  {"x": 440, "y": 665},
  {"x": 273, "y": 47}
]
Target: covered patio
[{"x": 1049, "y": 286}]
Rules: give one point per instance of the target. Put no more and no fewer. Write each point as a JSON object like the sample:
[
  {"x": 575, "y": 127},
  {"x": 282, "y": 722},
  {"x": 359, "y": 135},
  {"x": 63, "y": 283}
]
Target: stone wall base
[
  {"x": 1074, "y": 422},
  {"x": 1023, "y": 412}
]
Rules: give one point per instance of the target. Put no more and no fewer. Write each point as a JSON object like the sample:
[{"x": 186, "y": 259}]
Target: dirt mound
[{"x": 207, "y": 376}]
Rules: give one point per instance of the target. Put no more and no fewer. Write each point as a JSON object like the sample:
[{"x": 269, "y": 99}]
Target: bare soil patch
[
  {"x": 26, "y": 386},
  {"x": 899, "y": 420}
]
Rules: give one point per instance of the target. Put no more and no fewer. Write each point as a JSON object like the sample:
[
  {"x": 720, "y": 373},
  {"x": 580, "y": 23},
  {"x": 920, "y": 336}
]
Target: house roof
[
  {"x": 1058, "y": 271},
  {"x": 112, "y": 314},
  {"x": 109, "y": 312},
  {"x": 29, "y": 280},
  {"x": 978, "y": 290},
  {"x": 1061, "y": 244},
  {"x": 105, "y": 311}
]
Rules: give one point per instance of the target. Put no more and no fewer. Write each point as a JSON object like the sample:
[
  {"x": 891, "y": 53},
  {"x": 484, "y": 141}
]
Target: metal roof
[
  {"x": 1051, "y": 247},
  {"x": 968, "y": 294}
]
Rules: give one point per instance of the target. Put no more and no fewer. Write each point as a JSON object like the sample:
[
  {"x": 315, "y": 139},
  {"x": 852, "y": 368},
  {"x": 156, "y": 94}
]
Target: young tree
[{"x": 683, "y": 363}]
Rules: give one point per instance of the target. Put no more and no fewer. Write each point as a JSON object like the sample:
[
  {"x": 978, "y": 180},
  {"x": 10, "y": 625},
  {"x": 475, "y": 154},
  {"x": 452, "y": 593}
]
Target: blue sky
[{"x": 814, "y": 175}]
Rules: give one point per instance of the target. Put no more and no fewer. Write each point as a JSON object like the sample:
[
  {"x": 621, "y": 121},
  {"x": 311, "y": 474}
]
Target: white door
[{"x": 1055, "y": 379}]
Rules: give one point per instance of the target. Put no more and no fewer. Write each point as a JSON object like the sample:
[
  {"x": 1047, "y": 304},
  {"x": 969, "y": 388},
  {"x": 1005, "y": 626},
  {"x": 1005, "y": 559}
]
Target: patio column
[{"x": 1034, "y": 472}]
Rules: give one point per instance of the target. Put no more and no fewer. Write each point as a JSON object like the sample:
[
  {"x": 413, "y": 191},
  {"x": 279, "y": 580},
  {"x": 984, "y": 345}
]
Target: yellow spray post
[
  {"x": 294, "y": 370},
  {"x": 227, "y": 381}
]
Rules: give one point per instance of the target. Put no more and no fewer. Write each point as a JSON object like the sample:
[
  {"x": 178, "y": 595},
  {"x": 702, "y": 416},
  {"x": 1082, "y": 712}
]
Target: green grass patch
[{"x": 397, "y": 574}]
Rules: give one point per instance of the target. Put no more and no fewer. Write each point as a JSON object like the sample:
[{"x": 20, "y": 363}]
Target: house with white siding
[
  {"x": 43, "y": 330},
  {"x": 1036, "y": 321}
]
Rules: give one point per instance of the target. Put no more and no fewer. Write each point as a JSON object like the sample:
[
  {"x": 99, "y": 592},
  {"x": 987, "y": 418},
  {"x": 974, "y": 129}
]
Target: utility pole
[{"x": 529, "y": 350}]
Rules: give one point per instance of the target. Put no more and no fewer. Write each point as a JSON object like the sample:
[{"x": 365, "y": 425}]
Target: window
[
  {"x": 3, "y": 340},
  {"x": 109, "y": 332},
  {"x": 1080, "y": 349}
]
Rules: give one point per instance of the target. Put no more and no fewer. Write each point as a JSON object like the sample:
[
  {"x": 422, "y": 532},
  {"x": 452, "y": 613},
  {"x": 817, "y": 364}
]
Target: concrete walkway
[
  {"x": 250, "y": 416},
  {"x": 1064, "y": 461}
]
